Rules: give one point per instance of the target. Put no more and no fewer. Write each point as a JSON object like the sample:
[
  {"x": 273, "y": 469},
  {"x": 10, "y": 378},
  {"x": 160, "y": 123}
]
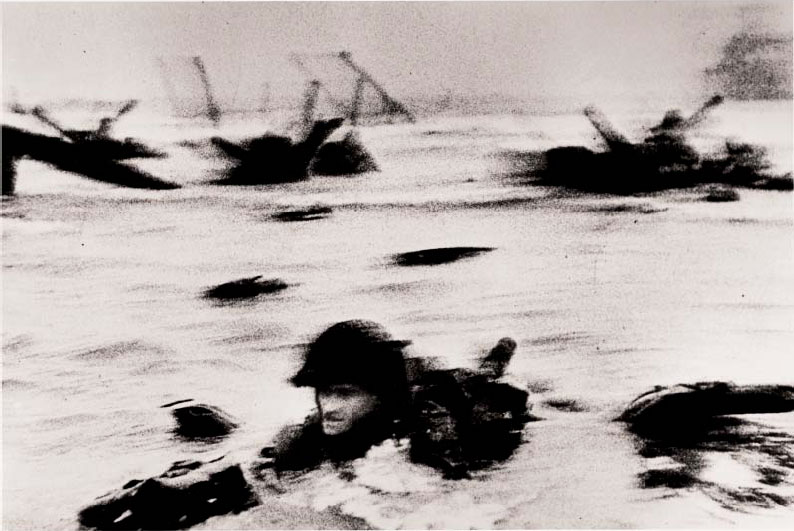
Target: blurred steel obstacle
[
  {"x": 663, "y": 160},
  {"x": 100, "y": 140},
  {"x": 271, "y": 159},
  {"x": 369, "y": 103},
  {"x": 88, "y": 159}
]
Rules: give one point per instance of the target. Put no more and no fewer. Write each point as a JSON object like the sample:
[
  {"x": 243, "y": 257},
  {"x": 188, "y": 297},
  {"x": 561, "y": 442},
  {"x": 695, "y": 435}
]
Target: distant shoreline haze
[{"x": 463, "y": 55}]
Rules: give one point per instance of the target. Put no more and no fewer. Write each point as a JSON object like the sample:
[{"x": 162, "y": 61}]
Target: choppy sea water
[{"x": 103, "y": 321}]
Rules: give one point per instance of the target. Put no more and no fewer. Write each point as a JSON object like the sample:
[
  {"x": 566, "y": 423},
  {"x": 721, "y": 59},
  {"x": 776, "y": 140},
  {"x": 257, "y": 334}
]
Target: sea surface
[{"x": 103, "y": 320}]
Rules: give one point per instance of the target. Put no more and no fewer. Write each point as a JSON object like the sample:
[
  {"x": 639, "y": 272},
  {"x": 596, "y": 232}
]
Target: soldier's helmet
[{"x": 355, "y": 352}]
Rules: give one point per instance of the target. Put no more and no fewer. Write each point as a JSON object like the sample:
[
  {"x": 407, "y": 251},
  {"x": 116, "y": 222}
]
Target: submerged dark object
[
  {"x": 187, "y": 493},
  {"x": 344, "y": 157},
  {"x": 82, "y": 159},
  {"x": 683, "y": 406},
  {"x": 245, "y": 288},
  {"x": 201, "y": 420},
  {"x": 271, "y": 159},
  {"x": 308, "y": 214},
  {"x": 441, "y": 255}
]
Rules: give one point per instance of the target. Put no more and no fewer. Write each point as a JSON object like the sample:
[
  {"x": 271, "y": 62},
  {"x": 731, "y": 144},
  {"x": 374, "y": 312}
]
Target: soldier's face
[{"x": 343, "y": 405}]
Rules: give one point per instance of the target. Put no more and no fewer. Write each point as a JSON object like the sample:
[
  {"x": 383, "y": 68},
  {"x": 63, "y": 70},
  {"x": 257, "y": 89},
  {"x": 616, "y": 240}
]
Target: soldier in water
[
  {"x": 363, "y": 396},
  {"x": 358, "y": 374}
]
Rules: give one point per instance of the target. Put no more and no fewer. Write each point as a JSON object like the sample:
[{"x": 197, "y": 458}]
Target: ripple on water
[
  {"x": 119, "y": 350},
  {"x": 14, "y": 384}
]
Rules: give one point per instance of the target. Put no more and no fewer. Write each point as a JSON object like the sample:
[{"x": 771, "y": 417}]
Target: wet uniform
[{"x": 459, "y": 421}]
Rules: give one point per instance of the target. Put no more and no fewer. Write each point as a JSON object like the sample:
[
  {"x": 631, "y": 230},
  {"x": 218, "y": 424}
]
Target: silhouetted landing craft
[{"x": 81, "y": 159}]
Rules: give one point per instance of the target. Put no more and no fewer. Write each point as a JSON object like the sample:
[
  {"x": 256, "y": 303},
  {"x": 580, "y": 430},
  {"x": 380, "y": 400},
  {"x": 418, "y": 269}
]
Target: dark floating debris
[
  {"x": 245, "y": 288},
  {"x": 441, "y": 255},
  {"x": 201, "y": 421},
  {"x": 308, "y": 214},
  {"x": 721, "y": 195},
  {"x": 188, "y": 493},
  {"x": 627, "y": 208},
  {"x": 565, "y": 404}
]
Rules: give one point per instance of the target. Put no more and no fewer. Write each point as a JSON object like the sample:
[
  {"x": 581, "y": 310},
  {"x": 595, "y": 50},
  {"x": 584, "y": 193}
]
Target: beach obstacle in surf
[
  {"x": 679, "y": 430},
  {"x": 272, "y": 159},
  {"x": 343, "y": 157},
  {"x": 683, "y": 406},
  {"x": 662, "y": 161},
  {"x": 85, "y": 159}
]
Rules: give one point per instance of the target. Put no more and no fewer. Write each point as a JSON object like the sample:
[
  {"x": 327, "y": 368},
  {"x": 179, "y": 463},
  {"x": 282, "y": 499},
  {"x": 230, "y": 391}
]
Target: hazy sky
[{"x": 569, "y": 50}]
